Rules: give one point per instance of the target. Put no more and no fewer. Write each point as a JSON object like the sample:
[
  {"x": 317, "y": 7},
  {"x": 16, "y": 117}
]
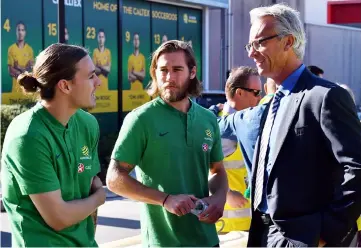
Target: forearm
[
  {"x": 139, "y": 75},
  {"x": 19, "y": 69},
  {"x": 14, "y": 72},
  {"x": 98, "y": 70},
  {"x": 105, "y": 68},
  {"x": 29, "y": 67},
  {"x": 75, "y": 211},
  {"x": 131, "y": 77},
  {"x": 122, "y": 184},
  {"x": 60, "y": 214},
  {"x": 218, "y": 183}
]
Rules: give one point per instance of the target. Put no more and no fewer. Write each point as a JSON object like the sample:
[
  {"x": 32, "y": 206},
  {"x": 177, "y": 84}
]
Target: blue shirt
[
  {"x": 244, "y": 125},
  {"x": 286, "y": 87}
]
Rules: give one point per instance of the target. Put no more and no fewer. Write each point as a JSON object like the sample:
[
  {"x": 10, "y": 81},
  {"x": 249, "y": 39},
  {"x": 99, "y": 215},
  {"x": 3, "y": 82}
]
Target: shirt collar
[
  {"x": 49, "y": 118},
  {"x": 228, "y": 109},
  {"x": 289, "y": 83},
  {"x": 160, "y": 101}
]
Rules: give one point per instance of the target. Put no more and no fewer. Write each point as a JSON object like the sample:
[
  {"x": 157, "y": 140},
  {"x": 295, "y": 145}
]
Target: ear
[
  {"x": 193, "y": 73},
  {"x": 238, "y": 92},
  {"x": 290, "y": 40},
  {"x": 265, "y": 87},
  {"x": 64, "y": 86}
]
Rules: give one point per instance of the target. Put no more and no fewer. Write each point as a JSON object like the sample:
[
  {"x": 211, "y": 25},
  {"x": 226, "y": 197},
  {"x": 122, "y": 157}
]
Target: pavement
[
  {"x": 229, "y": 240},
  {"x": 118, "y": 218},
  {"x": 119, "y": 226}
]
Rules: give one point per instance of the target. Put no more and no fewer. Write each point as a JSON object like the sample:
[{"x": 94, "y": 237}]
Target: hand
[
  {"x": 215, "y": 209},
  {"x": 96, "y": 184},
  {"x": 28, "y": 65},
  {"x": 180, "y": 204},
  {"x": 321, "y": 243},
  {"x": 17, "y": 67},
  {"x": 235, "y": 199},
  {"x": 96, "y": 187},
  {"x": 220, "y": 106}
]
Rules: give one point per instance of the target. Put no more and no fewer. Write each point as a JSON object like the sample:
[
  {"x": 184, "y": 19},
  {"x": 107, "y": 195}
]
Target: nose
[
  {"x": 170, "y": 76},
  {"x": 97, "y": 81},
  {"x": 251, "y": 52}
]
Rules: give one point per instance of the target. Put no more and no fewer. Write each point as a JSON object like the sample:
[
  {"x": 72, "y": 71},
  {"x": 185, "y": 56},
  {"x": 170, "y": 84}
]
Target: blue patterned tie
[{"x": 266, "y": 133}]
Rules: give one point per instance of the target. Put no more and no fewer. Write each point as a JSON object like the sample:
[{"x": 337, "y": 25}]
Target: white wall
[{"x": 316, "y": 12}]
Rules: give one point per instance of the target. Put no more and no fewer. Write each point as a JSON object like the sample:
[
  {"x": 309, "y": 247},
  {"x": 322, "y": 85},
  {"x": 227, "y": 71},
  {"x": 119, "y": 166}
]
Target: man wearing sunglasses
[
  {"x": 306, "y": 170},
  {"x": 243, "y": 90}
]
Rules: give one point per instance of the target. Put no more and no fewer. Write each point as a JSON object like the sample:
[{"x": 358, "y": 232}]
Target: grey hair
[{"x": 288, "y": 21}]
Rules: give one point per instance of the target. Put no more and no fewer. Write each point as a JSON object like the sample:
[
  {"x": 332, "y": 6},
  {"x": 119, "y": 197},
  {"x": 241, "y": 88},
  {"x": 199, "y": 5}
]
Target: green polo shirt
[
  {"x": 173, "y": 151},
  {"x": 41, "y": 155}
]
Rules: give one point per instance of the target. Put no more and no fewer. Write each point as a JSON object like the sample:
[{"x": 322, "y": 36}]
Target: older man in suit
[{"x": 306, "y": 172}]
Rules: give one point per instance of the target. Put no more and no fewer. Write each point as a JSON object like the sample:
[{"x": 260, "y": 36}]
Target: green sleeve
[
  {"x": 216, "y": 152},
  {"x": 30, "y": 161},
  {"x": 131, "y": 141},
  {"x": 95, "y": 155}
]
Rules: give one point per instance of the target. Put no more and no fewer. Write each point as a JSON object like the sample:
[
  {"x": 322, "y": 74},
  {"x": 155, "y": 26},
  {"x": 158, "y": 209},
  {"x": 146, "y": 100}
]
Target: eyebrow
[
  {"x": 174, "y": 67},
  {"x": 91, "y": 73}
]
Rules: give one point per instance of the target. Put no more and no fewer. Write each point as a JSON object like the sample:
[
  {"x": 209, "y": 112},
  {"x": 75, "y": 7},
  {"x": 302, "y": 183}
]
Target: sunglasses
[{"x": 256, "y": 93}]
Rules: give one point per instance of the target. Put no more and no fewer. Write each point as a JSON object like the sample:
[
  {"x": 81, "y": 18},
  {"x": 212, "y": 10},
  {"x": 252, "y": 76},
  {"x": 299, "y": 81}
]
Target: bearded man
[{"x": 174, "y": 144}]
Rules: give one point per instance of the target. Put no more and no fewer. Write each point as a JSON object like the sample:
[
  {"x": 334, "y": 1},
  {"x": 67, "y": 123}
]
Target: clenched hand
[
  {"x": 215, "y": 209},
  {"x": 180, "y": 204},
  {"x": 235, "y": 199}
]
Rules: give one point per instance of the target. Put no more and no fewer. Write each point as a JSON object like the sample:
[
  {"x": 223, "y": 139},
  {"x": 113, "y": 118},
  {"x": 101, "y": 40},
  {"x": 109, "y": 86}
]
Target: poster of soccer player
[
  {"x": 100, "y": 38},
  {"x": 136, "y": 52},
  {"x": 20, "y": 43}
]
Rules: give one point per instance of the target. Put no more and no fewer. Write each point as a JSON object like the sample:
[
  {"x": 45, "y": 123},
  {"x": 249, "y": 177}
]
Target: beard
[{"x": 175, "y": 96}]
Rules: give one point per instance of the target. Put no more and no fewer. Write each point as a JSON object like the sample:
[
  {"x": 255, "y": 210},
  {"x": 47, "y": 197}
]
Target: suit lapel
[
  {"x": 295, "y": 100},
  {"x": 293, "y": 106}
]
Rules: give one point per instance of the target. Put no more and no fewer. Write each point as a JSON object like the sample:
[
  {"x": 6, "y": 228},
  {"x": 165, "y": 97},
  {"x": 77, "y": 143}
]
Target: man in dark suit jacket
[{"x": 306, "y": 173}]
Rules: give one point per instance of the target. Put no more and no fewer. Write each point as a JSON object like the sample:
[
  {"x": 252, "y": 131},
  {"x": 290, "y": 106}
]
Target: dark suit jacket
[{"x": 314, "y": 187}]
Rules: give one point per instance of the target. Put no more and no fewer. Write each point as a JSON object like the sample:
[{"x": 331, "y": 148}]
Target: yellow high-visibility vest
[{"x": 235, "y": 219}]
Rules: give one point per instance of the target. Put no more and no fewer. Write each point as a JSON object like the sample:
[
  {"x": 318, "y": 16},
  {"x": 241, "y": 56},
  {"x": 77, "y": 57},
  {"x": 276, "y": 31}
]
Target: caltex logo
[{"x": 80, "y": 168}]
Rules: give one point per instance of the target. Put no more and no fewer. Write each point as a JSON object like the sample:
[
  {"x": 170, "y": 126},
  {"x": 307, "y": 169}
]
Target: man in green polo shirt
[
  {"x": 49, "y": 158},
  {"x": 175, "y": 143}
]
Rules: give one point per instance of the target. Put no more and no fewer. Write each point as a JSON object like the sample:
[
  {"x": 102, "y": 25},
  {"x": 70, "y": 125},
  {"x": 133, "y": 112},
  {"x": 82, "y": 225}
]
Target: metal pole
[{"x": 61, "y": 21}]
